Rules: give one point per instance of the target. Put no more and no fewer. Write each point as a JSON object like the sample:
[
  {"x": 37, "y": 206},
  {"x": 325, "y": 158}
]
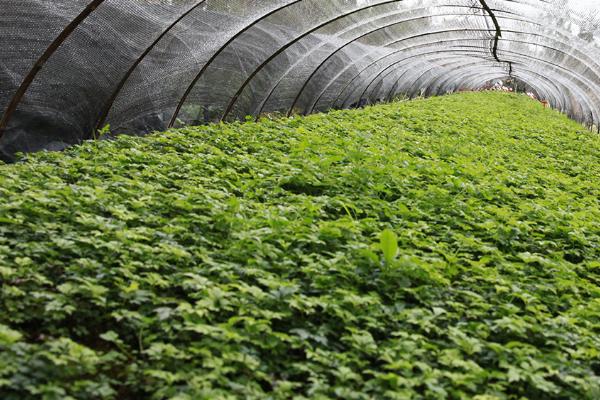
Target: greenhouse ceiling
[{"x": 69, "y": 69}]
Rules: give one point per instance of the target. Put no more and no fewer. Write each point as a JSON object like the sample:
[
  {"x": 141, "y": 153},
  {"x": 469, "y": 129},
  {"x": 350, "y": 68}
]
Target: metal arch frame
[
  {"x": 392, "y": 91},
  {"x": 337, "y": 50},
  {"x": 69, "y": 29},
  {"x": 491, "y": 75},
  {"x": 455, "y": 67},
  {"x": 579, "y": 77},
  {"x": 563, "y": 39},
  {"x": 263, "y": 103},
  {"x": 456, "y": 6},
  {"x": 39, "y": 64},
  {"x": 567, "y": 106},
  {"x": 551, "y": 49},
  {"x": 567, "y": 87},
  {"x": 317, "y": 69},
  {"x": 439, "y": 84},
  {"x": 448, "y": 67},
  {"x": 390, "y": 69},
  {"x": 486, "y": 72},
  {"x": 586, "y": 63},
  {"x": 383, "y": 71},
  {"x": 456, "y": 58},
  {"x": 256, "y": 71},
  {"x": 479, "y": 55},
  {"x": 503, "y": 11},
  {"x": 575, "y": 89},
  {"x": 398, "y": 51},
  {"x": 444, "y": 83},
  {"x": 568, "y": 55},
  {"x": 218, "y": 52},
  {"x": 539, "y": 87},
  {"x": 108, "y": 105},
  {"x": 554, "y": 90},
  {"x": 590, "y": 101},
  {"x": 581, "y": 81},
  {"x": 545, "y": 37},
  {"x": 547, "y": 91},
  {"x": 579, "y": 56},
  {"x": 407, "y": 69}
]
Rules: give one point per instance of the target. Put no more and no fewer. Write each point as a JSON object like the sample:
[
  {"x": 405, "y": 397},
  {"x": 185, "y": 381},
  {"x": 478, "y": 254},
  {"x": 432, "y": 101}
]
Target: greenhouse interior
[{"x": 300, "y": 199}]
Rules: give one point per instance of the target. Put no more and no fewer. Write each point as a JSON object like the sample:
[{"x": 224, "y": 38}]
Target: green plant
[
  {"x": 243, "y": 260},
  {"x": 102, "y": 132},
  {"x": 388, "y": 242}
]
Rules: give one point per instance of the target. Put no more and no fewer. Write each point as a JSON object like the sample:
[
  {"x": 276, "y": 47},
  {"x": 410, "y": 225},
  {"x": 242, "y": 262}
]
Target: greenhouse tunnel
[{"x": 75, "y": 70}]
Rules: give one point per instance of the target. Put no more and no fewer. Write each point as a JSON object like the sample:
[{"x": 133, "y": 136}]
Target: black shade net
[{"x": 69, "y": 68}]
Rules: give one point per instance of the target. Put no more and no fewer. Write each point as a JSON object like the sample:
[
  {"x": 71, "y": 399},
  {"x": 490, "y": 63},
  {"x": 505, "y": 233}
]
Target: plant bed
[{"x": 446, "y": 248}]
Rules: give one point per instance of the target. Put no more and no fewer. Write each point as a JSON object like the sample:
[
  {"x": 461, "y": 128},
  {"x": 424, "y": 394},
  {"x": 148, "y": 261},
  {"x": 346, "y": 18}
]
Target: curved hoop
[
  {"x": 217, "y": 53},
  {"x": 233, "y": 100},
  {"x": 301, "y": 91},
  {"x": 396, "y": 52},
  {"x": 577, "y": 88},
  {"x": 106, "y": 109},
  {"x": 39, "y": 64}
]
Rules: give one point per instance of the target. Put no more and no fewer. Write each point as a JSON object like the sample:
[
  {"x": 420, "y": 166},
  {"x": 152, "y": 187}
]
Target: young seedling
[
  {"x": 102, "y": 132},
  {"x": 388, "y": 242}
]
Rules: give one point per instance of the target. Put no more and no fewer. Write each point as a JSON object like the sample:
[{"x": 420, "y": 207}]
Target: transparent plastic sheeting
[{"x": 69, "y": 68}]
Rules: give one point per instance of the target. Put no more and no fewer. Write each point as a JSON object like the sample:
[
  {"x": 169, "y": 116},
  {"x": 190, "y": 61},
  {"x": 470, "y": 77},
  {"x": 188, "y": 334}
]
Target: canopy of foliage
[{"x": 433, "y": 249}]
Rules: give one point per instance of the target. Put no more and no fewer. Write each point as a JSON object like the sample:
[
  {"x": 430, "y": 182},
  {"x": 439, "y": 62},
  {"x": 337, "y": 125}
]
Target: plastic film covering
[{"x": 70, "y": 68}]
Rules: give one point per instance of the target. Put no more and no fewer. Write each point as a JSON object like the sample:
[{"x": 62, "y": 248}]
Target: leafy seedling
[
  {"x": 102, "y": 132},
  {"x": 388, "y": 241}
]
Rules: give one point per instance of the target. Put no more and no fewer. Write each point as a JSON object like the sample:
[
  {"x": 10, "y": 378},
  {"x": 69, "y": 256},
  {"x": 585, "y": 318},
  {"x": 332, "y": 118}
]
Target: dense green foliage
[{"x": 440, "y": 248}]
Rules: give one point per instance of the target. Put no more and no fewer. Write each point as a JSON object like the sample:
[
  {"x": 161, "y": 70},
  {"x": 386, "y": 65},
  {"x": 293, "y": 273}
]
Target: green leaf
[
  {"x": 110, "y": 336},
  {"x": 388, "y": 241},
  {"x": 248, "y": 260},
  {"x": 9, "y": 336}
]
